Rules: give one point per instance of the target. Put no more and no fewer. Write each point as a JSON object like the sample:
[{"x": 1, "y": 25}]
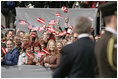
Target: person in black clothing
[
  {"x": 8, "y": 10},
  {"x": 77, "y": 59}
]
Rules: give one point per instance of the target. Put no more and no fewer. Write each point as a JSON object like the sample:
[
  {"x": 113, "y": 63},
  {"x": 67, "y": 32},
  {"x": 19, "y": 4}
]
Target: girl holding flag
[
  {"x": 26, "y": 57},
  {"x": 51, "y": 60}
]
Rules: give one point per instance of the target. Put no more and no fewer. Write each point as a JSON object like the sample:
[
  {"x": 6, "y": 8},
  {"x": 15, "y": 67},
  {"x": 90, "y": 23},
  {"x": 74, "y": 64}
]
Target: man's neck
[
  {"x": 83, "y": 35},
  {"x": 110, "y": 26},
  {"x": 112, "y": 30}
]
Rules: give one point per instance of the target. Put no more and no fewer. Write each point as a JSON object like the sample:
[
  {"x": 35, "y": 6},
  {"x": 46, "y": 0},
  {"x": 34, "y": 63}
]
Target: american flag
[
  {"x": 33, "y": 27},
  {"x": 39, "y": 54},
  {"x": 22, "y": 22}
]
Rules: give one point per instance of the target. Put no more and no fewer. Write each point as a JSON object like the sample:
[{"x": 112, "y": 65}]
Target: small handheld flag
[
  {"x": 4, "y": 50},
  {"x": 33, "y": 27},
  {"x": 45, "y": 51},
  {"x": 64, "y": 9},
  {"x": 62, "y": 33},
  {"x": 21, "y": 22},
  {"x": 58, "y": 15},
  {"x": 41, "y": 20},
  {"x": 42, "y": 28}
]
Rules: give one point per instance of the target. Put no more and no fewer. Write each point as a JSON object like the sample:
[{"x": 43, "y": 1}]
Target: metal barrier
[{"x": 25, "y": 71}]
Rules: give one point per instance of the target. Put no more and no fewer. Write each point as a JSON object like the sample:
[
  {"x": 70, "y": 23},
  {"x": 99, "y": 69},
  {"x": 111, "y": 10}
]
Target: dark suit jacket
[
  {"x": 11, "y": 58},
  {"x": 104, "y": 69},
  {"x": 76, "y": 59}
]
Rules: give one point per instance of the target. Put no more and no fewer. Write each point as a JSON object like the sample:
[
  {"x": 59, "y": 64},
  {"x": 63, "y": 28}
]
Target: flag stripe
[
  {"x": 62, "y": 33},
  {"x": 51, "y": 30},
  {"x": 4, "y": 50},
  {"x": 42, "y": 28},
  {"x": 46, "y": 51},
  {"x": 41, "y": 21}
]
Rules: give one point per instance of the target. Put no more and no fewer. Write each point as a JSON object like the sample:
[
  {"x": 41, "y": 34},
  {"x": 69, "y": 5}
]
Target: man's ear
[{"x": 114, "y": 21}]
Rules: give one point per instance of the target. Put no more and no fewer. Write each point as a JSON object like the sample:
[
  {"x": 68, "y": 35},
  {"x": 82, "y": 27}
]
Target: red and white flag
[
  {"x": 46, "y": 51},
  {"x": 29, "y": 55},
  {"x": 41, "y": 20},
  {"x": 40, "y": 54},
  {"x": 51, "y": 29},
  {"x": 70, "y": 29},
  {"x": 62, "y": 33},
  {"x": 22, "y": 22},
  {"x": 58, "y": 15},
  {"x": 99, "y": 36},
  {"x": 3, "y": 41},
  {"x": 33, "y": 34},
  {"x": 33, "y": 27},
  {"x": 2, "y": 27},
  {"x": 42, "y": 28},
  {"x": 64, "y": 9},
  {"x": 4, "y": 50}
]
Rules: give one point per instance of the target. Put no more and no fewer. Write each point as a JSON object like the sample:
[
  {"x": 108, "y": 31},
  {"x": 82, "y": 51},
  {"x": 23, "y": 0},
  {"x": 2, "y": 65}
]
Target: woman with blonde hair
[
  {"x": 25, "y": 39},
  {"x": 59, "y": 46},
  {"x": 51, "y": 47},
  {"x": 52, "y": 60}
]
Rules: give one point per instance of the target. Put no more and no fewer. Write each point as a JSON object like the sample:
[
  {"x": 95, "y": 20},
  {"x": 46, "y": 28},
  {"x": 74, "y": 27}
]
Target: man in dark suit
[
  {"x": 77, "y": 58},
  {"x": 106, "y": 47}
]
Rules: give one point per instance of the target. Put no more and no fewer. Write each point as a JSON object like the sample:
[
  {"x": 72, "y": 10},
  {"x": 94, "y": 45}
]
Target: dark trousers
[{"x": 10, "y": 18}]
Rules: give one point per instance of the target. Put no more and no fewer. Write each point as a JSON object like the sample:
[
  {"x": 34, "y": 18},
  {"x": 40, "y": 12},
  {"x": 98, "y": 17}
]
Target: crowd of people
[
  {"x": 26, "y": 44},
  {"x": 71, "y": 54}
]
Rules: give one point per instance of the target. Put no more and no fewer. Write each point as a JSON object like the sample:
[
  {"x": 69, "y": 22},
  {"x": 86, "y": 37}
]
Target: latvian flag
[
  {"x": 62, "y": 33},
  {"x": 51, "y": 30},
  {"x": 64, "y": 9},
  {"x": 42, "y": 28},
  {"x": 58, "y": 15},
  {"x": 4, "y": 50},
  {"x": 22, "y": 22},
  {"x": 45, "y": 51},
  {"x": 33, "y": 27},
  {"x": 41, "y": 20}
]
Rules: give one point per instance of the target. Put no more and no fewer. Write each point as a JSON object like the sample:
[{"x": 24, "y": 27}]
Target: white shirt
[
  {"x": 21, "y": 59},
  {"x": 83, "y": 35},
  {"x": 111, "y": 30}
]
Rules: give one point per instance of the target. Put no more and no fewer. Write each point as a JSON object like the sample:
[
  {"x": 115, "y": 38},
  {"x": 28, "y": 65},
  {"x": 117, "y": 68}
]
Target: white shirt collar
[
  {"x": 83, "y": 35},
  {"x": 111, "y": 30}
]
